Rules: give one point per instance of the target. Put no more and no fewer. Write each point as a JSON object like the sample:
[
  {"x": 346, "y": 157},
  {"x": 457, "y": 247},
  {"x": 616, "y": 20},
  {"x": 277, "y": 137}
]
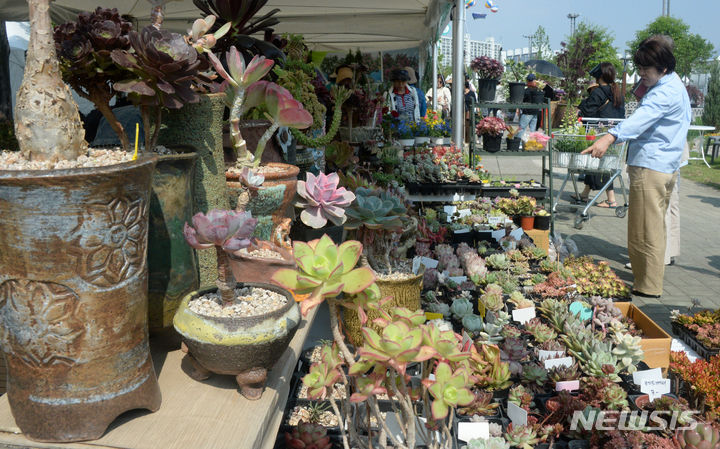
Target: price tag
[
  {"x": 433, "y": 316},
  {"x": 522, "y": 316},
  {"x": 473, "y": 430},
  {"x": 655, "y": 388},
  {"x": 649, "y": 374},
  {"x": 428, "y": 262},
  {"x": 496, "y": 220},
  {"x": 415, "y": 265},
  {"x": 547, "y": 355},
  {"x": 458, "y": 279},
  {"x": 517, "y": 415},
  {"x": 568, "y": 385},
  {"x": 565, "y": 361}
]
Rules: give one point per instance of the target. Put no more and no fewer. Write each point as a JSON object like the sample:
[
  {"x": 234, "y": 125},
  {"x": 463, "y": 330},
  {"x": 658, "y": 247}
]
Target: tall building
[{"x": 472, "y": 49}]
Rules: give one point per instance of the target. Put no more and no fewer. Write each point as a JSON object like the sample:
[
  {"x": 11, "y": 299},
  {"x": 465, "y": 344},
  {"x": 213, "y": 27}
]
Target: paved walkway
[{"x": 696, "y": 274}]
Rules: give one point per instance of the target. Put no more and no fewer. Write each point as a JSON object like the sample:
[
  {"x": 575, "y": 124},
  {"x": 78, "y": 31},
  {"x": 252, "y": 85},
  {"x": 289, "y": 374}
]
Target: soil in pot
[
  {"x": 325, "y": 418},
  {"x": 250, "y": 302},
  {"x": 259, "y": 262}
]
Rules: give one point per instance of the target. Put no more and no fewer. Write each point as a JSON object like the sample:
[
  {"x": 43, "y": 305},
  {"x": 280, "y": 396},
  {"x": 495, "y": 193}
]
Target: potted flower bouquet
[
  {"x": 491, "y": 129},
  {"x": 489, "y": 71}
]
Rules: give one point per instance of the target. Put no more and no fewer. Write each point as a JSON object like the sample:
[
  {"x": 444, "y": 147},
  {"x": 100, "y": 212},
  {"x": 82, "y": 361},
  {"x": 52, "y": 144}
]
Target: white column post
[
  {"x": 458, "y": 103},
  {"x": 434, "y": 75}
]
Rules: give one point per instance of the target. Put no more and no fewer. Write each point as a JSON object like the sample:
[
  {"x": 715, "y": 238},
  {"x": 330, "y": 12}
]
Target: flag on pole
[{"x": 476, "y": 15}]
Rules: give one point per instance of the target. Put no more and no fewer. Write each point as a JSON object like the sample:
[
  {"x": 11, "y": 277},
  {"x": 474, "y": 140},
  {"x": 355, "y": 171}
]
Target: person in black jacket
[
  {"x": 533, "y": 94},
  {"x": 604, "y": 101}
]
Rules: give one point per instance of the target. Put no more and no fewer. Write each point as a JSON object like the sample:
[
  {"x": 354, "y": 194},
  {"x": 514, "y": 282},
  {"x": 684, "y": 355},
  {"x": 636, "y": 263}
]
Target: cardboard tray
[{"x": 655, "y": 342}]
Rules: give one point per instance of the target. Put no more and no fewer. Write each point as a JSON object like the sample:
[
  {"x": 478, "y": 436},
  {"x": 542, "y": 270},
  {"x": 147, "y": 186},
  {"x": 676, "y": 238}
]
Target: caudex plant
[{"x": 379, "y": 365}]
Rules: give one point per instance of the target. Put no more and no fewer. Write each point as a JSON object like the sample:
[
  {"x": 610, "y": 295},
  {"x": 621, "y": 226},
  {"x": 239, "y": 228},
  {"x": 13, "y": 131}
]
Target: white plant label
[
  {"x": 462, "y": 231},
  {"x": 655, "y": 388},
  {"x": 547, "y": 355},
  {"x": 449, "y": 210},
  {"x": 522, "y": 316},
  {"x": 650, "y": 374},
  {"x": 464, "y": 212},
  {"x": 517, "y": 233},
  {"x": 565, "y": 361},
  {"x": 416, "y": 265},
  {"x": 497, "y": 235},
  {"x": 496, "y": 220},
  {"x": 517, "y": 415},
  {"x": 458, "y": 279},
  {"x": 567, "y": 385},
  {"x": 472, "y": 430},
  {"x": 428, "y": 262}
]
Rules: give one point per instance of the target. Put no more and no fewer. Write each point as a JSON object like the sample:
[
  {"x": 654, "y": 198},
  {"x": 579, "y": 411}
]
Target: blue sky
[{"x": 622, "y": 18}]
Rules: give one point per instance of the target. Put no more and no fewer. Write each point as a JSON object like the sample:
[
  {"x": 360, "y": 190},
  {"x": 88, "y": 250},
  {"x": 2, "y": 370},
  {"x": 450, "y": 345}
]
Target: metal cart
[{"x": 611, "y": 164}]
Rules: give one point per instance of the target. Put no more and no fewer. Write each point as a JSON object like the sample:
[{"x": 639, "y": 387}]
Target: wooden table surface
[{"x": 194, "y": 415}]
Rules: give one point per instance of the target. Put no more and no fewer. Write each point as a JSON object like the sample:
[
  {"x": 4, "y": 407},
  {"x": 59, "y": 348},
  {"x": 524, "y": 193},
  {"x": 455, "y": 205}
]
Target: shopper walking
[{"x": 657, "y": 133}]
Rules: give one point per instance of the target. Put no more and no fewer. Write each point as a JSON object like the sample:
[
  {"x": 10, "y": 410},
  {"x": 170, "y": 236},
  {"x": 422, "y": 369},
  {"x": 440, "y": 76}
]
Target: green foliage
[
  {"x": 691, "y": 50},
  {"x": 711, "y": 113},
  {"x": 541, "y": 41}
]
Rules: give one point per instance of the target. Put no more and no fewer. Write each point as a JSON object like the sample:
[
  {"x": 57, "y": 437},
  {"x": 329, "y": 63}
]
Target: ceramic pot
[
  {"x": 73, "y": 296},
  {"x": 244, "y": 347},
  {"x": 256, "y": 269},
  {"x": 437, "y": 140},
  {"x": 252, "y": 131},
  {"x": 421, "y": 140},
  {"x": 172, "y": 269},
  {"x": 404, "y": 293},
  {"x": 200, "y": 126},
  {"x": 271, "y": 204},
  {"x": 406, "y": 142}
]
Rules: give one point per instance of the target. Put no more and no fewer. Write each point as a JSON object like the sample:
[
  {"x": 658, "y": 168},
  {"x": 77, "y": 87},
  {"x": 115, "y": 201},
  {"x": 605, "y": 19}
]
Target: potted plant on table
[
  {"x": 236, "y": 328},
  {"x": 542, "y": 219},
  {"x": 74, "y": 284},
  {"x": 525, "y": 208},
  {"x": 491, "y": 129},
  {"x": 511, "y": 138},
  {"x": 489, "y": 71},
  {"x": 404, "y": 133}
]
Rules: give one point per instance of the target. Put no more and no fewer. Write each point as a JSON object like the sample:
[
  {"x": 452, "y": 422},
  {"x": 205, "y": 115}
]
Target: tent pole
[
  {"x": 458, "y": 118},
  {"x": 382, "y": 78},
  {"x": 434, "y": 75}
]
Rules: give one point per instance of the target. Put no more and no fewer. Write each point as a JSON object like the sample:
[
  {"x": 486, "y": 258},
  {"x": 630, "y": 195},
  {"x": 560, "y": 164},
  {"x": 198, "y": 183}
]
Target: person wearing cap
[
  {"x": 403, "y": 98},
  {"x": 533, "y": 94},
  {"x": 412, "y": 82},
  {"x": 657, "y": 134}
]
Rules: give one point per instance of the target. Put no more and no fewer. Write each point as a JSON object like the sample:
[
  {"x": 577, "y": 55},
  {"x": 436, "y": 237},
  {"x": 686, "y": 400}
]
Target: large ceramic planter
[
  {"x": 272, "y": 204},
  {"x": 256, "y": 269},
  {"x": 200, "y": 126},
  {"x": 252, "y": 131},
  {"x": 171, "y": 261},
  {"x": 73, "y": 297},
  {"x": 404, "y": 293},
  {"x": 244, "y": 347}
]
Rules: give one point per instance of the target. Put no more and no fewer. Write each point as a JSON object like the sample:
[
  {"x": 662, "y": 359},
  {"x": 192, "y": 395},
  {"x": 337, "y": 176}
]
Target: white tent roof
[{"x": 328, "y": 25}]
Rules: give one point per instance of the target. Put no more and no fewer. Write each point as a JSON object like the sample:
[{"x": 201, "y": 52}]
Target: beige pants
[
  {"x": 650, "y": 192},
  {"x": 672, "y": 224}
]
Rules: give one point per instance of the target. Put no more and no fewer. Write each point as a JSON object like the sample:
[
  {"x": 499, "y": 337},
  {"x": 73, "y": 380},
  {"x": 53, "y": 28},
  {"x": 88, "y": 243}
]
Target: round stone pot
[
  {"x": 73, "y": 298},
  {"x": 171, "y": 261},
  {"x": 255, "y": 269},
  {"x": 244, "y": 347},
  {"x": 271, "y": 204}
]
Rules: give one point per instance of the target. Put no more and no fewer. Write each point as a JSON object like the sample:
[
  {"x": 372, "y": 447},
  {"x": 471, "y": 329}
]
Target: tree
[
  {"x": 589, "y": 46},
  {"x": 711, "y": 113},
  {"x": 541, "y": 41},
  {"x": 691, "y": 50}
]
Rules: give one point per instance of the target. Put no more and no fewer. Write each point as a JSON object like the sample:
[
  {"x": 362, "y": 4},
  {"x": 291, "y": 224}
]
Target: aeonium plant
[{"x": 487, "y": 68}]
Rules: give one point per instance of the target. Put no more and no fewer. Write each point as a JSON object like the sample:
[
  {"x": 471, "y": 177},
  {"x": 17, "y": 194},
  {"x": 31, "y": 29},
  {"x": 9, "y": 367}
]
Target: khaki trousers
[
  {"x": 650, "y": 192},
  {"x": 672, "y": 223}
]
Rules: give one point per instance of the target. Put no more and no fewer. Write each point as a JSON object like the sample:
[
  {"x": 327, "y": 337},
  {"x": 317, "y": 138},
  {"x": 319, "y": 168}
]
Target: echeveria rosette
[
  {"x": 324, "y": 271},
  {"x": 372, "y": 211},
  {"x": 322, "y": 200},
  {"x": 703, "y": 436},
  {"x": 229, "y": 230},
  {"x": 447, "y": 344},
  {"x": 449, "y": 389},
  {"x": 366, "y": 299},
  {"x": 369, "y": 385},
  {"x": 398, "y": 345}
]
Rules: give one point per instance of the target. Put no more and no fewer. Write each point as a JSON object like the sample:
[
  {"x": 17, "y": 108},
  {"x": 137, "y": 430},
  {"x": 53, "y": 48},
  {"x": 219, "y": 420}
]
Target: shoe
[
  {"x": 606, "y": 205},
  {"x": 672, "y": 262},
  {"x": 644, "y": 295},
  {"x": 628, "y": 266}
]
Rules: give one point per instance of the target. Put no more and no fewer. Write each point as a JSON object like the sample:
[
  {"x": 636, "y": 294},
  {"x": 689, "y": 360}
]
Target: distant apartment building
[
  {"x": 471, "y": 49},
  {"x": 522, "y": 54}
]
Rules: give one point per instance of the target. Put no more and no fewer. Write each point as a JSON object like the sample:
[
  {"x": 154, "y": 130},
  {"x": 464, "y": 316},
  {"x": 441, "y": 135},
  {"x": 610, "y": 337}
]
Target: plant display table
[{"x": 199, "y": 415}]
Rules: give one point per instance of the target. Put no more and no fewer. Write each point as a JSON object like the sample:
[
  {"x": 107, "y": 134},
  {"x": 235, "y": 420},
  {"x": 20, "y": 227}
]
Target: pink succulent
[
  {"x": 322, "y": 200},
  {"x": 241, "y": 76},
  {"x": 229, "y": 230}
]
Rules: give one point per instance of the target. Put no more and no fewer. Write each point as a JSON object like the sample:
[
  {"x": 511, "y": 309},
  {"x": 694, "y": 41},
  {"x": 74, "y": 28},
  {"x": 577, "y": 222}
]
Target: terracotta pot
[
  {"x": 405, "y": 293},
  {"x": 272, "y": 204},
  {"x": 200, "y": 125},
  {"x": 255, "y": 269},
  {"x": 245, "y": 347},
  {"x": 73, "y": 291},
  {"x": 172, "y": 268},
  {"x": 527, "y": 223}
]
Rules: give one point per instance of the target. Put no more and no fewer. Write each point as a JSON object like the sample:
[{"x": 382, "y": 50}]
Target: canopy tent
[{"x": 328, "y": 25}]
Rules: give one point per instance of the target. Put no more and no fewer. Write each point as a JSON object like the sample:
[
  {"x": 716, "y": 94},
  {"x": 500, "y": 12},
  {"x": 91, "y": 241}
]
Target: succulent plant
[
  {"x": 563, "y": 373},
  {"x": 446, "y": 344},
  {"x": 540, "y": 331},
  {"x": 322, "y": 200},
  {"x": 482, "y": 405},
  {"x": 703, "y": 436},
  {"x": 460, "y": 308},
  {"x": 227, "y": 231},
  {"x": 524, "y": 437},
  {"x": 490, "y": 443},
  {"x": 308, "y": 436},
  {"x": 615, "y": 397},
  {"x": 551, "y": 345},
  {"x": 534, "y": 376},
  {"x": 605, "y": 313},
  {"x": 498, "y": 262},
  {"x": 473, "y": 323},
  {"x": 438, "y": 307},
  {"x": 324, "y": 270},
  {"x": 324, "y": 374},
  {"x": 374, "y": 210},
  {"x": 627, "y": 349},
  {"x": 520, "y": 301},
  {"x": 519, "y": 396},
  {"x": 514, "y": 351},
  {"x": 449, "y": 389},
  {"x": 492, "y": 298},
  {"x": 511, "y": 331}
]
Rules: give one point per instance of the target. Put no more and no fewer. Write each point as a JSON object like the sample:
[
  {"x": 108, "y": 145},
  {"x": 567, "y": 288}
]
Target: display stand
[{"x": 200, "y": 415}]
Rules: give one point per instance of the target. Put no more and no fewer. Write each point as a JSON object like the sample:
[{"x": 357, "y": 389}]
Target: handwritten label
[
  {"x": 517, "y": 415},
  {"x": 428, "y": 262},
  {"x": 496, "y": 220},
  {"x": 522, "y": 316},
  {"x": 565, "y": 361},
  {"x": 655, "y": 388},
  {"x": 433, "y": 316},
  {"x": 649, "y": 374},
  {"x": 472, "y": 430},
  {"x": 458, "y": 279},
  {"x": 415, "y": 265},
  {"x": 567, "y": 385},
  {"x": 546, "y": 355}
]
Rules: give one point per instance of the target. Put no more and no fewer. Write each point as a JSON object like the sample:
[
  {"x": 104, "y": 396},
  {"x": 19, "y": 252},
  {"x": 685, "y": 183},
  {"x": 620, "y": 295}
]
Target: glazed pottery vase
[
  {"x": 244, "y": 347},
  {"x": 200, "y": 126},
  {"x": 271, "y": 204},
  {"x": 256, "y": 269},
  {"x": 172, "y": 267},
  {"x": 73, "y": 298}
]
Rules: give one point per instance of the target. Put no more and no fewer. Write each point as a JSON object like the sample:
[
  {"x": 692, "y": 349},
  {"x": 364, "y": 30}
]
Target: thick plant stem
[
  {"x": 335, "y": 326},
  {"x": 156, "y": 130},
  {"x": 346, "y": 444},
  {"x": 225, "y": 280},
  {"x": 107, "y": 112},
  {"x": 145, "y": 114},
  {"x": 408, "y": 413},
  {"x": 262, "y": 142}
]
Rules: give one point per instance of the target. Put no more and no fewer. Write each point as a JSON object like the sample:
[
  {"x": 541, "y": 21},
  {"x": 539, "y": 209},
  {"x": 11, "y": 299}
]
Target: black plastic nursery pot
[
  {"x": 517, "y": 92},
  {"x": 513, "y": 144},
  {"x": 491, "y": 144},
  {"x": 486, "y": 89},
  {"x": 542, "y": 222}
]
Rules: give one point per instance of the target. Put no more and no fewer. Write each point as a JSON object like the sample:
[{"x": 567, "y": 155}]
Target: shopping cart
[{"x": 566, "y": 154}]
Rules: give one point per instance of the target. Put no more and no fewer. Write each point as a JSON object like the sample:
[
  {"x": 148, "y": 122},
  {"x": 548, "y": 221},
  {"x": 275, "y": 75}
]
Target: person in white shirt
[{"x": 444, "y": 99}]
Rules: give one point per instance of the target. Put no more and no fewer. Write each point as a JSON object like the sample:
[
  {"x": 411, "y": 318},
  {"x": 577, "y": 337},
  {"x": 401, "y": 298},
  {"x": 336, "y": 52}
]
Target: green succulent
[
  {"x": 520, "y": 301},
  {"x": 492, "y": 299},
  {"x": 534, "y": 375},
  {"x": 473, "y": 323},
  {"x": 461, "y": 307},
  {"x": 538, "y": 278},
  {"x": 615, "y": 397},
  {"x": 541, "y": 332},
  {"x": 498, "y": 262},
  {"x": 324, "y": 374},
  {"x": 490, "y": 443},
  {"x": 450, "y": 389},
  {"x": 519, "y": 396},
  {"x": 445, "y": 343},
  {"x": 627, "y": 349},
  {"x": 374, "y": 209},
  {"x": 524, "y": 437},
  {"x": 438, "y": 307},
  {"x": 704, "y": 436}
]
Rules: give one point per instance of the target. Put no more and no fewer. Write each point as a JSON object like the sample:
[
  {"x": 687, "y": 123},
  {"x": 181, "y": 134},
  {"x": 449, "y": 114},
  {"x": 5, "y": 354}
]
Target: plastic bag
[{"x": 563, "y": 247}]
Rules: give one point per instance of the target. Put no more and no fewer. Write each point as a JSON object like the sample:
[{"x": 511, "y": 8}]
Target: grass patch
[{"x": 699, "y": 172}]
